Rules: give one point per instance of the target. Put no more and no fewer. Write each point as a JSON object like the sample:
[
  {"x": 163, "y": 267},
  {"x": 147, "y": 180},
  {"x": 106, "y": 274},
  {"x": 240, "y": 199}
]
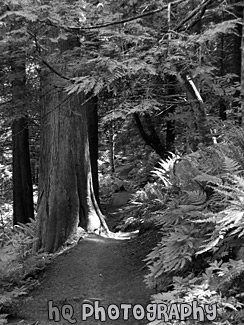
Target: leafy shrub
[
  {"x": 18, "y": 264},
  {"x": 202, "y": 226},
  {"x": 17, "y": 246},
  {"x": 205, "y": 289},
  {"x": 233, "y": 144},
  {"x": 202, "y": 219},
  {"x": 154, "y": 195}
]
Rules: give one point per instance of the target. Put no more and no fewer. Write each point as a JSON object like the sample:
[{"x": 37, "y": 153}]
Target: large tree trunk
[
  {"x": 66, "y": 192},
  {"x": 23, "y": 209}
]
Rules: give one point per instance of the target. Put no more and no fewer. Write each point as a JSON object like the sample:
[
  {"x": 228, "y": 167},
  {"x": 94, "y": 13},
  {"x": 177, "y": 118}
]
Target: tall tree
[
  {"x": 23, "y": 209},
  {"x": 66, "y": 191}
]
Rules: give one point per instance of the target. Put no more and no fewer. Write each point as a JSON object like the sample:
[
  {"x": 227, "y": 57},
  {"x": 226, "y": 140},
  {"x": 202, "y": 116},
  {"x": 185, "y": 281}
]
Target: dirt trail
[{"x": 97, "y": 269}]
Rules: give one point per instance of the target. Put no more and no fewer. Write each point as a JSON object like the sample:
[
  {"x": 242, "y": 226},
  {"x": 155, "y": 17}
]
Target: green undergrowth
[
  {"x": 19, "y": 265},
  {"x": 197, "y": 202}
]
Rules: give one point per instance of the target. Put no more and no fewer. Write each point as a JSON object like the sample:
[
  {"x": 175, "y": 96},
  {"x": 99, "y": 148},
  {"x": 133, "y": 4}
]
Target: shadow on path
[{"x": 105, "y": 270}]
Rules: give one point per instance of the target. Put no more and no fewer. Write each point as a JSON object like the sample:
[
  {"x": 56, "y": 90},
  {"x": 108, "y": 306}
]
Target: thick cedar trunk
[
  {"x": 66, "y": 194},
  {"x": 68, "y": 184},
  {"x": 23, "y": 209}
]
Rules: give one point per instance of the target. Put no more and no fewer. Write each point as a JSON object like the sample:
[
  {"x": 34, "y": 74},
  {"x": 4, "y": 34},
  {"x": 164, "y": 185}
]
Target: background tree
[
  {"x": 22, "y": 178},
  {"x": 14, "y": 61}
]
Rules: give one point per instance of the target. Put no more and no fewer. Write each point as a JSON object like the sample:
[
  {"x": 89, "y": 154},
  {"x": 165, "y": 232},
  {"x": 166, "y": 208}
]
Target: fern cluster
[
  {"x": 202, "y": 226},
  {"x": 18, "y": 265},
  {"x": 205, "y": 289},
  {"x": 180, "y": 237}
]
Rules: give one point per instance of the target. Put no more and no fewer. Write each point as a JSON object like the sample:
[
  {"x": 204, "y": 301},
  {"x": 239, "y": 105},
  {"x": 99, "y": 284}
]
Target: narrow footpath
[{"x": 97, "y": 271}]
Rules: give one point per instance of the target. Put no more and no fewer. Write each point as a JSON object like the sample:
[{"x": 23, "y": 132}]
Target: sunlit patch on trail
[
  {"x": 125, "y": 235},
  {"x": 111, "y": 235}
]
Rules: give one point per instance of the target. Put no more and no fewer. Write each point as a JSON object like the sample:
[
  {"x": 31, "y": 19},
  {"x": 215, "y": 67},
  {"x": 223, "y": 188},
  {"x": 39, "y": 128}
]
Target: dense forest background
[{"x": 153, "y": 87}]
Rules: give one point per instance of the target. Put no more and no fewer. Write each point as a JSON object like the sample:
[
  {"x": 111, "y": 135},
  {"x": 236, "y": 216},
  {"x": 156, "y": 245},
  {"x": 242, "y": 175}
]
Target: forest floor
[{"x": 102, "y": 270}]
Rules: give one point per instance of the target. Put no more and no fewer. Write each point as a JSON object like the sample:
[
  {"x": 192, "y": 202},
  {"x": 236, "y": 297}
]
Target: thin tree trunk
[
  {"x": 151, "y": 139},
  {"x": 23, "y": 209},
  {"x": 194, "y": 97},
  {"x": 170, "y": 126},
  {"x": 234, "y": 54},
  {"x": 222, "y": 106},
  {"x": 111, "y": 148},
  {"x": 234, "y": 41},
  {"x": 198, "y": 109}
]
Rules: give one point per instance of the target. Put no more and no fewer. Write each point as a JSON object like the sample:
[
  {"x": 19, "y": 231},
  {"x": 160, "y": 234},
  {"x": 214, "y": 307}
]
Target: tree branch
[
  {"x": 193, "y": 13},
  {"x": 54, "y": 70},
  {"x": 202, "y": 7},
  {"x": 118, "y": 22}
]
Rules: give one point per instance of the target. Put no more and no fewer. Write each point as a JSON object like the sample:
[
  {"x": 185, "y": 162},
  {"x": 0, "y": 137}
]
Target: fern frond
[
  {"x": 231, "y": 166},
  {"x": 166, "y": 167},
  {"x": 194, "y": 197}
]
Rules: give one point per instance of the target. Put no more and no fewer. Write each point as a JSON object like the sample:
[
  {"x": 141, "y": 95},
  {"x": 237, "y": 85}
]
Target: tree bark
[
  {"x": 66, "y": 193},
  {"x": 92, "y": 119},
  {"x": 23, "y": 209}
]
